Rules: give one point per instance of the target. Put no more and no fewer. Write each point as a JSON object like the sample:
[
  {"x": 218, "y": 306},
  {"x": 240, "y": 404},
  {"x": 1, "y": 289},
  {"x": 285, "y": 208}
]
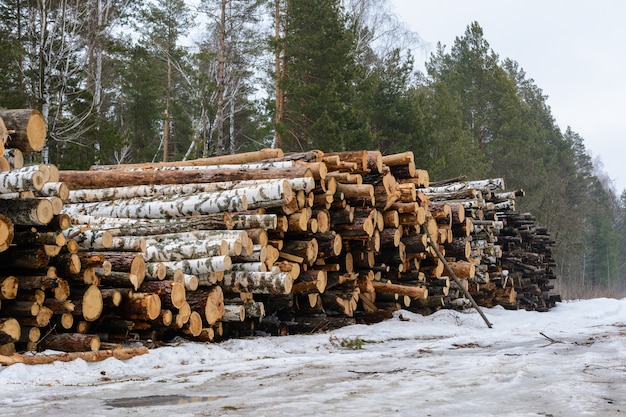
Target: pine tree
[{"x": 319, "y": 77}]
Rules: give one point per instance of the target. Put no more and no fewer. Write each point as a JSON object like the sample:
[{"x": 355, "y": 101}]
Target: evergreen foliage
[{"x": 110, "y": 76}]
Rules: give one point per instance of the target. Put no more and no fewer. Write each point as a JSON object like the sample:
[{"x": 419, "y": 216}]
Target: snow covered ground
[{"x": 570, "y": 361}]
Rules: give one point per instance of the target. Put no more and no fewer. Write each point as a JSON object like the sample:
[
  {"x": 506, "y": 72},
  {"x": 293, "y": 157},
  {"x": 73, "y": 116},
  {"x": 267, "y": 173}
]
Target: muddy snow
[{"x": 570, "y": 361}]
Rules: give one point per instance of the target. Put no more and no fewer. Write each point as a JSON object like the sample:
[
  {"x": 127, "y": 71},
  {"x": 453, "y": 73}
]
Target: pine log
[
  {"x": 7, "y": 232},
  {"x": 10, "y": 330},
  {"x": 389, "y": 288},
  {"x": 27, "y": 129},
  {"x": 240, "y": 158},
  {"x": 96, "y": 179},
  {"x": 120, "y": 279},
  {"x": 8, "y": 287},
  {"x": 172, "y": 294},
  {"x": 328, "y": 245},
  {"x": 89, "y": 305},
  {"x": 463, "y": 269},
  {"x": 39, "y": 359},
  {"x": 358, "y": 157},
  {"x": 71, "y": 342},
  {"x": 141, "y": 306},
  {"x": 28, "y": 259},
  {"x": 306, "y": 249},
  {"x": 310, "y": 281},
  {"x": 208, "y": 302}
]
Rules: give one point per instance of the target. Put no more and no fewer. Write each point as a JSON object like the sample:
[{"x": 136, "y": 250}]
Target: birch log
[
  {"x": 27, "y": 212},
  {"x": 199, "y": 266},
  {"x": 258, "y": 282},
  {"x": 193, "y": 205},
  {"x": 18, "y": 181},
  {"x": 177, "y": 251}
]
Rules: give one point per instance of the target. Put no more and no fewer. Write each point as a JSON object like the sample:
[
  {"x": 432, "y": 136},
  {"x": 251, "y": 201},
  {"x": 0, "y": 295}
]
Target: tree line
[{"x": 121, "y": 81}]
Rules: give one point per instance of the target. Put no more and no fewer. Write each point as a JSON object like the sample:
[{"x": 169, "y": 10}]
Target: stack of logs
[{"x": 260, "y": 241}]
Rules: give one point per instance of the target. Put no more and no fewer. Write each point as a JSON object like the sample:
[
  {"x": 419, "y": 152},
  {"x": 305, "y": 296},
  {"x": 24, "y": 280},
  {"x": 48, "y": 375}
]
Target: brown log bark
[
  {"x": 90, "y": 304},
  {"x": 71, "y": 342},
  {"x": 39, "y": 359},
  {"x": 7, "y": 232},
  {"x": 32, "y": 211},
  {"x": 328, "y": 245},
  {"x": 389, "y": 288},
  {"x": 306, "y": 249},
  {"x": 172, "y": 294},
  {"x": 240, "y": 158},
  {"x": 10, "y": 330},
  {"x": 141, "y": 306},
  {"x": 8, "y": 287},
  {"x": 102, "y": 179},
  {"x": 208, "y": 302},
  {"x": 27, "y": 129},
  {"x": 310, "y": 281}
]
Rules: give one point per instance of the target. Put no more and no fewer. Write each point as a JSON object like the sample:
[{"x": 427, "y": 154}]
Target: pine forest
[{"x": 125, "y": 82}]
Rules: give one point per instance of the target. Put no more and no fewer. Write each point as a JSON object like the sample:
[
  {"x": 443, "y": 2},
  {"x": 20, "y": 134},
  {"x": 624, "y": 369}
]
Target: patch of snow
[{"x": 570, "y": 361}]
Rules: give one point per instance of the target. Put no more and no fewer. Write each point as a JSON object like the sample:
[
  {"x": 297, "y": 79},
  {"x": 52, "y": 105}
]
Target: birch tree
[{"x": 163, "y": 23}]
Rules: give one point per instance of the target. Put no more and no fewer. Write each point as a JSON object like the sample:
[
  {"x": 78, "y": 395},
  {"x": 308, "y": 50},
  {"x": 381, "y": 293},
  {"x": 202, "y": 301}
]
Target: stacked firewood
[
  {"x": 508, "y": 258},
  {"x": 37, "y": 262},
  {"x": 260, "y": 241}
]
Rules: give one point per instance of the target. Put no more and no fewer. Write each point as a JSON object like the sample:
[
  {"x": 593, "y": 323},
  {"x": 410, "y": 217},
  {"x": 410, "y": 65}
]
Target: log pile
[{"x": 261, "y": 241}]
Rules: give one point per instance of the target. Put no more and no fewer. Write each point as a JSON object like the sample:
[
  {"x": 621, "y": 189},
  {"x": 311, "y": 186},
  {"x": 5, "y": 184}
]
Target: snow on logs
[{"x": 208, "y": 246}]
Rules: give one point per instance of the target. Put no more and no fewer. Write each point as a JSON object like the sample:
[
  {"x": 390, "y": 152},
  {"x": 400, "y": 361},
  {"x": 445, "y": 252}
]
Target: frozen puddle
[{"x": 158, "y": 401}]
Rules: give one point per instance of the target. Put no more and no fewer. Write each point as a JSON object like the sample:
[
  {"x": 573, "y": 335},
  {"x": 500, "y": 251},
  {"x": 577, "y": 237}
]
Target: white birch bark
[
  {"x": 492, "y": 184},
  {"x": 198, "y": 266},
  {"x": 258, "y": 282},
  {"x": 113, "y": 193},
  {"x": 17, "y": 181},
  {"x": 89, "y": 239},
  {"x": 183, "y": 207},
  {"x": 249, "y": 266},
  {"x": 176, "y": 251}
]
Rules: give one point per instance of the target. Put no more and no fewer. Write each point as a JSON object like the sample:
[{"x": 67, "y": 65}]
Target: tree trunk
[
  {"x": 141, "y": 306},
  {"x": 172, "y": 294},
  {"x": 28, "y": 212},
  {"x": 71, "y": 342},
  {"x": 10, "y": 330},
  {"x": 118, "y": 178},
  {"x": 208, "y": 302},
  {"x": 8, "y": 287},
  {"x": 17, "y": 181},
  {"x": 310, "y": 281},
  {"x": 389, "y": 288},
  {"x": 258, "y": 282},
  {"x": 176, "y": 251},
  {"x": 27, "y": 129}
]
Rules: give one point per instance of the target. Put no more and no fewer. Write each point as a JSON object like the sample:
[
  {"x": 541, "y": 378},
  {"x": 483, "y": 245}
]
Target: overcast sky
[{"x": 574, "y": 50}]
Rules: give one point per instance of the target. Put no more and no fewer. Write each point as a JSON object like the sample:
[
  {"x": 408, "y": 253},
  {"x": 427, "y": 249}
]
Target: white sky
[{"x": 574, "y": 50}]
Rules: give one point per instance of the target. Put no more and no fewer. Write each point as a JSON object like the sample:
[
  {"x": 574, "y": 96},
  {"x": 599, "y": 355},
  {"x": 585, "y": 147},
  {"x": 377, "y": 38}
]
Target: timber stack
[{"x": 260, "y": 241}]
